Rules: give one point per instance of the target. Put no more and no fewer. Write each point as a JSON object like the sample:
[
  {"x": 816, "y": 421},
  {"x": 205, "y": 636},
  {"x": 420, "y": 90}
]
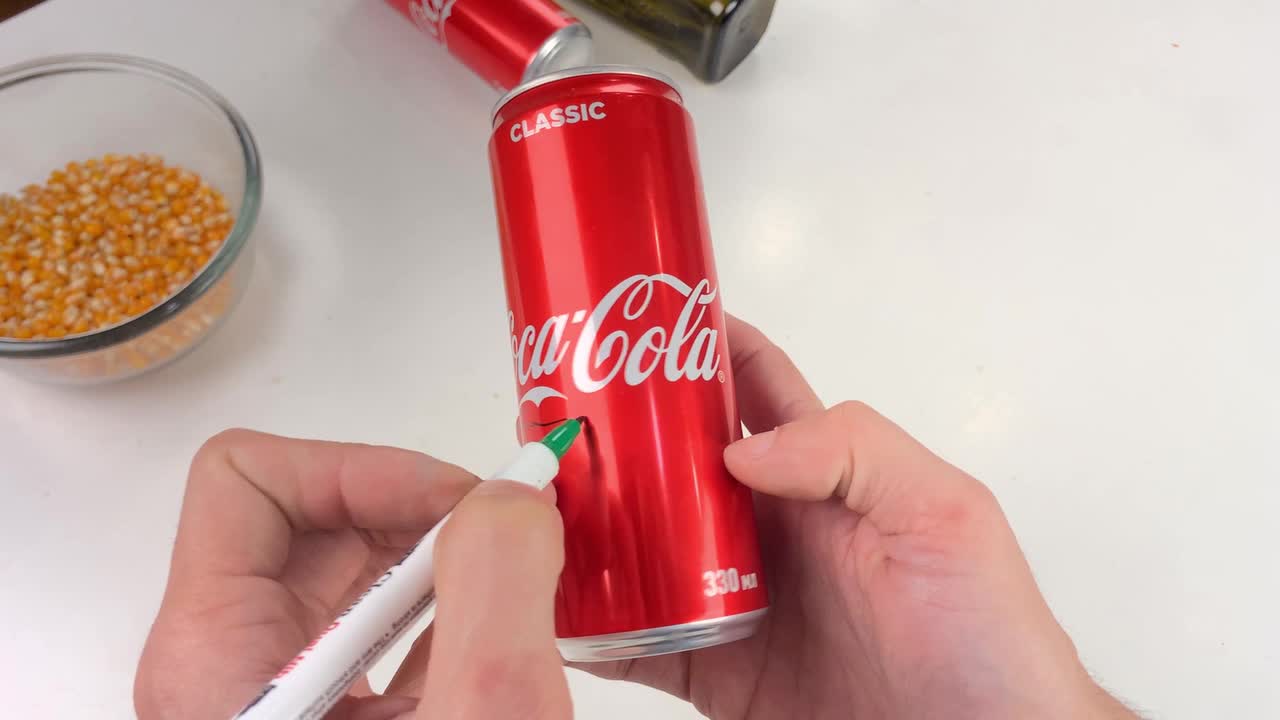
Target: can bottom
[{"x": 662, "y": 640}]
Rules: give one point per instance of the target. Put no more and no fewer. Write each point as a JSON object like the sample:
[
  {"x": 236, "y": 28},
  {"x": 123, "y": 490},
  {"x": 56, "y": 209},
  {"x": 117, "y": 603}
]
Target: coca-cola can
[
  {"x": 506, "y": 42},
  {"x": 615, "y": 315}
]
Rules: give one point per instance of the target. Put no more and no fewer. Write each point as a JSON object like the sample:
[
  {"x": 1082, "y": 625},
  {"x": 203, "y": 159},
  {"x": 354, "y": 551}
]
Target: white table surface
[{"x": 1044, "y": 236}]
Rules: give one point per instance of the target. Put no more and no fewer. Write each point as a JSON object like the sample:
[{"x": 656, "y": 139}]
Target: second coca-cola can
[
  {"x": 506, "y": 42},
  {"x": 615, "y": 316}
]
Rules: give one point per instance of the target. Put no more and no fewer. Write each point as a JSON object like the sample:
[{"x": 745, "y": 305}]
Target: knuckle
[
  {"x": 979, "y": 494},
  {"x": 215, "y": 449},
  {"x": 984, "y": 502},
  {"x": 496, "y": 671},
  {"x": 504, "y": 682},
  {"x": 854, "y": 415},
  {"x": 970, "y": 507}
]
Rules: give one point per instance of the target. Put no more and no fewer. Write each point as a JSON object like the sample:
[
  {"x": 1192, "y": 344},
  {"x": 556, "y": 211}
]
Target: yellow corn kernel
[{"x": 102, "y": 241}]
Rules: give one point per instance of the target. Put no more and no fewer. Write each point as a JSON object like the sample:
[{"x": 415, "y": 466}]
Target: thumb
[
  {"x": 854, "y": 453},
  {"x": 494, "y": 653}
]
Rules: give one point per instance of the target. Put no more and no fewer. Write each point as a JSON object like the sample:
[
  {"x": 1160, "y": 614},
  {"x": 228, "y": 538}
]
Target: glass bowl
[{"x": 75, "y": 107}]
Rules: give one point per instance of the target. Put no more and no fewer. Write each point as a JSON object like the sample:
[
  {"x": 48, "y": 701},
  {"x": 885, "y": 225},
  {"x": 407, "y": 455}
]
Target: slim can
[
  {"x": 615, "y": 315},
  {"x": 506, "y": 42}
]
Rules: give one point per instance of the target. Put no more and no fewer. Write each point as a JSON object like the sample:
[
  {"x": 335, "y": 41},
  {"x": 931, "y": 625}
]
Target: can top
[
  {"x": 579, "y": 72},
  {"x": 568, "y": 47}
]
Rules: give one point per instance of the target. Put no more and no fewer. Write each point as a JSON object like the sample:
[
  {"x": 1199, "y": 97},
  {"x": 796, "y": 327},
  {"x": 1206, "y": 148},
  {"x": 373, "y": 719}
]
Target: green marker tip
[{"x": 561, "y": 439}]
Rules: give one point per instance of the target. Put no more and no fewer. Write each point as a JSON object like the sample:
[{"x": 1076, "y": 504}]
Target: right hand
[{"x": 899, "y": 589}]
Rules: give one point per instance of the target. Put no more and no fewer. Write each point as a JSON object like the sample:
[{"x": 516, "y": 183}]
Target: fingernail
[
  {"x": 510, "y": 487},
  {"x": 755, "y": 446}
]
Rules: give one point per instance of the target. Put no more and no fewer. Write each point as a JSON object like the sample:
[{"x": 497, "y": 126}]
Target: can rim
[
  {"x": 578, "y": 72},
  {"x": 567, "y": 36}
]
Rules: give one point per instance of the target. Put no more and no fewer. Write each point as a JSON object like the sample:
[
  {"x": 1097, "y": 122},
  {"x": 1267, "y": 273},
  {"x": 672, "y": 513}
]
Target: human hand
[
  {"x": 277, "y": 536},
  {"x": 898, "y": 588}
]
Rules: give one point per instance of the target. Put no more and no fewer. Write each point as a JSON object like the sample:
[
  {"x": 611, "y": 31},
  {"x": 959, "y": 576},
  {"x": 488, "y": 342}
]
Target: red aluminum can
[
  {"x": 506, "y": 42},
  {"x": 615, "y": 315}
]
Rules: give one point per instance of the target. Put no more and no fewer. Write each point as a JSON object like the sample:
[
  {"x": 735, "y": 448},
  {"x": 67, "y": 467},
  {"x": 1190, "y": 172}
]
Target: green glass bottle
[{"x": 710, "y": 37}]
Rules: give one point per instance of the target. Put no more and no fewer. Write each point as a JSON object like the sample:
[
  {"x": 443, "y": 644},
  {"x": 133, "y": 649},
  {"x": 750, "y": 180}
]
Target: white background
[{"x": 1042, "y": 235}]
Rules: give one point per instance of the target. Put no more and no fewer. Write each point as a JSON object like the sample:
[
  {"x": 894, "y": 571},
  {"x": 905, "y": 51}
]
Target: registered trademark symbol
[{"x": 720, "y": 375}]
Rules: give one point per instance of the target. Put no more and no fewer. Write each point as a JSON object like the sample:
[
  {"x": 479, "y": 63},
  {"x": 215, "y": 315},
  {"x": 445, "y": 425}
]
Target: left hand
[{"x": 277, "y": 536}]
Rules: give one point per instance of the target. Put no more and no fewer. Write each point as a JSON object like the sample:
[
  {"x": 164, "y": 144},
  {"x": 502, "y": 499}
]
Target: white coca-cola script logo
[
  {"x": 429, "y": 15},
  {"x": 684, "y": 350}
]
